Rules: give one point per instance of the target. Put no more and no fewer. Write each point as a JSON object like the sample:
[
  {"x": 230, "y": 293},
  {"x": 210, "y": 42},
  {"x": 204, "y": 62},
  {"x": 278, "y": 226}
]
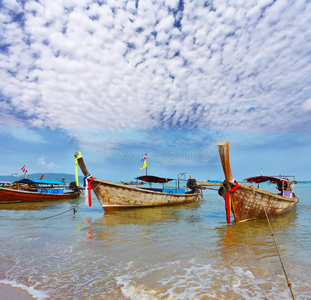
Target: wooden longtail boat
[
  {"x": 116, "y": 196},
  {"x": 248, "y": 202},
  {"x": 28, "y": 190}
]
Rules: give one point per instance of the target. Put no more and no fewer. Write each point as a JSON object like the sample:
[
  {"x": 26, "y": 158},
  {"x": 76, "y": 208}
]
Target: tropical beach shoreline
[
  {"x": 13, "y": 293},
  {"x": 177, "y": 252}
]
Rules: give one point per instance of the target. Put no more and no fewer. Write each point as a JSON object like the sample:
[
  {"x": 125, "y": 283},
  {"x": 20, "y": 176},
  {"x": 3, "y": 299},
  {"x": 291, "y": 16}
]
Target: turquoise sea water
[{"x": 176, "y": 252}]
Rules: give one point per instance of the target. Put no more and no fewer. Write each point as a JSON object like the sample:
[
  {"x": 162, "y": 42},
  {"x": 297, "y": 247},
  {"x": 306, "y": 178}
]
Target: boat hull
[
  {"x": 9, "y": 195},
  {"x": 249, "y": 202},
  {"x": 118, "y": 196}
]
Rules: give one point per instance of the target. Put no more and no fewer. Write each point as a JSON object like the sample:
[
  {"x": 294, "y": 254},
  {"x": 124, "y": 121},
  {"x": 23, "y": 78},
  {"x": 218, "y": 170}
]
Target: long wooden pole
[
  {"x": 82, "y": 166},
  {"x": 146, "y": 163},
  {"x": 223, "y": 149}
]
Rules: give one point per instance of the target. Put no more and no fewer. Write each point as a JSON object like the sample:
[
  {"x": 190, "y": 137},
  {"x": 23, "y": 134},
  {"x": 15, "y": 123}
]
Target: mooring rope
[
  {"x": 277, "y": 248},
  {"x": 211, "y": 189},
  {"x": 73, "y": 208}
]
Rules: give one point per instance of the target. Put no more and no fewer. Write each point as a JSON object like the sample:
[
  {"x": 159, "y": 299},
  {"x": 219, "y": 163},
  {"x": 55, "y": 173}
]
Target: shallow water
[{"x": 177, "y": 252}]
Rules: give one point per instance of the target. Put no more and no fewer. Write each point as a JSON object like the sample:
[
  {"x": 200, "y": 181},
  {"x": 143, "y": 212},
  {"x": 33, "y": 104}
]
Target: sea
[{"x": 66, "y": 250}]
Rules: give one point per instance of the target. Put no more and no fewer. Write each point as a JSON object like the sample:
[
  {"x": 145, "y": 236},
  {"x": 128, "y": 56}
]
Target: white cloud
[
  {"x": 43, "y": 165},
  {"x": 306, "y": 106},
  {"x": 172, "y": 4},
  {"x": 74, "y": 65},
  {"x": 11, "y": 5}
]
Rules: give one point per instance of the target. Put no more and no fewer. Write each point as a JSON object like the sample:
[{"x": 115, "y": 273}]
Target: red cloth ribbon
[
  {"x": 89, "y": 180},
  {"x": 228, "y": 201}
]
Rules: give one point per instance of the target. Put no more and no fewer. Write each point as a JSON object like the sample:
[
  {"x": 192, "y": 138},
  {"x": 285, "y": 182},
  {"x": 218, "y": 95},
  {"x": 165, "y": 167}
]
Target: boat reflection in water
[{"x": 250, "y": 246}]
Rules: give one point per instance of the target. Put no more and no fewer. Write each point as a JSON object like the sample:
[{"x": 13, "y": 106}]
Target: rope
[
  {"x": 74, "y": 211},
  {"x": 210, "y": 189},
  {"x": 74, "y": 208},
  {"x": 277, "y": 248}
]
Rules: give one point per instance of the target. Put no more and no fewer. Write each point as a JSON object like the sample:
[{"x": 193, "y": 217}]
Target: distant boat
[
  {"x": 133, "y": 182},
  {"x": 27, "y": 190},
  {"x": 5, "y": 183},
  {"x": 117, "y": 196},
  {"x": 248, "y": 202},
  {"x": 209, "y": 183}
]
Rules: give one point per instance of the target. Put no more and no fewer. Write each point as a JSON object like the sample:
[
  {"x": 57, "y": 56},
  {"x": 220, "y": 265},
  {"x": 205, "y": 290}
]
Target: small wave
[
  {"x": 31, "y": 290},
  {"x": 192, "y": 280}
]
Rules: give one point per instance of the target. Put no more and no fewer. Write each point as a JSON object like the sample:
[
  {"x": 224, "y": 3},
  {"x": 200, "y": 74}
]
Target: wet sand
[{"x": 8, "y": 292}]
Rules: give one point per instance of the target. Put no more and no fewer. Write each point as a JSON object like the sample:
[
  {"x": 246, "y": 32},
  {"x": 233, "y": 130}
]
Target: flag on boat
[
  {"x": 24, "y": 169},
  {"x": 145, "y": 162}
]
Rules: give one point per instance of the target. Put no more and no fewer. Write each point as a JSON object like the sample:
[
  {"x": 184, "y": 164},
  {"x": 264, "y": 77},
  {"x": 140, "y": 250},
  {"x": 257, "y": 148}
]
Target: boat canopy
[
  {"x": 149, "y": 178},
  {"x": 5, "y": 182},
  {"x": 272, "y": 179},
  {"x": 33, "y": 181}
]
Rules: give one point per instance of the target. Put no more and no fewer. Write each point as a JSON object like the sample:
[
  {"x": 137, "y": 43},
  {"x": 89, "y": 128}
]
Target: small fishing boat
[
  {"x": 248, "y": 202},
  {"x": 133, "y": 182},
  {"x": 5, "y": 183},
  {"x": 116, "y": 196},
  {"x": 28, "y": 190}
]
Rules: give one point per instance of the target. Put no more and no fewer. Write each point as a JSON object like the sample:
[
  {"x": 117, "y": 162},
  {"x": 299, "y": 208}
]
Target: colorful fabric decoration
[
  {"x": 87, "y": 185},
  {"x": 76, "y": 168},
  {"x": 145, "y": 162},
  {"x": 24, "y": 169},
  {"x": 228, "y": 201}
]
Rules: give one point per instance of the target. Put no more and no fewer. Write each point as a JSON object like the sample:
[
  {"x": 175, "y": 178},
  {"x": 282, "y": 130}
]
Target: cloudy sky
[{"x": 116, "y": 78}]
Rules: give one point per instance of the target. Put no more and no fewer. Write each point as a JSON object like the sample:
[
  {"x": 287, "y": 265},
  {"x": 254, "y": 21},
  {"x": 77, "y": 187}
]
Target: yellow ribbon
[{"x": 76, "y": 168}]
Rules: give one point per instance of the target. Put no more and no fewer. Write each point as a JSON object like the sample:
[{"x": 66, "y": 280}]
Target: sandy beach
[{"x": 8, "y": 292}]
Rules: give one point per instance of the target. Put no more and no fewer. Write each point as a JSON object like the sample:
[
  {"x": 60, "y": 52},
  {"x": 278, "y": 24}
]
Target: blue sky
[{"x": 113, "y": 79}]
